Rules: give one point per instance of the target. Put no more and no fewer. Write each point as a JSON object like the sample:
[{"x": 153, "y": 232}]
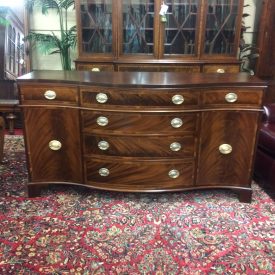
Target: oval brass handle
[
  {"x": 175, "y": 146},
  {"x": 225, "y": 149},
  {"x": 103, "y": 145},
  {"x": 231, "y": 97},
  {"x": 101, "y": 98},
  {"x": 50, "y": 95},
  {"x": 104, "y": 172},
  {"x": 173, "y": 174},
  {"x": 55, "y": 145},
  {"x": 95, "y": 69},
  {"x": 221, "y": 71},
  {"x": 177, "y": 99},
  {"x": 102, "y": 121},
  {"x": 176, "y": 122}
]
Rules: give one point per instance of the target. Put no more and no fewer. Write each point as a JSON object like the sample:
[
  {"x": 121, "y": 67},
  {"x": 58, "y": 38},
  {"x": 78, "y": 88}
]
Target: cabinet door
[
  {"x": 43, "y": 126},
  {"x": 137, "y": 27},
  {"x": 222, "y": 27},
  {"x": 95, "y": 21},
  {"x": 217, "y": 165},
  {"x": 181, "y": 28},
  {"x": 144, "y": 32}
]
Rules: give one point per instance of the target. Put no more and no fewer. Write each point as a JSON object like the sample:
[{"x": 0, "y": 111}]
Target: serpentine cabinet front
[{"x": 141, "y": 132}]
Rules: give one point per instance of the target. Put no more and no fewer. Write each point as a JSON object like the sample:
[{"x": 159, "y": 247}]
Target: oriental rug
[{"x": 73, "y": 230}]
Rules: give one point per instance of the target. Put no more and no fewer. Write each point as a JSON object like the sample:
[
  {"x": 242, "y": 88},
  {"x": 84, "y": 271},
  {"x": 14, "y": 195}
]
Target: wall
[
  {"x": 47, "y": 24},
  {"x": 254, "y": 11}
]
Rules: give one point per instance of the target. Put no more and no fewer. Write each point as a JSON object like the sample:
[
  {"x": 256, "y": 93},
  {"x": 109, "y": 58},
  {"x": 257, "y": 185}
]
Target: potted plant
[{"x": 51, "y": 43}]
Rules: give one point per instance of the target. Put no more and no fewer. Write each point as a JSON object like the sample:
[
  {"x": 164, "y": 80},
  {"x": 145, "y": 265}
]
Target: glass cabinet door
[
  {"x": 138, "y": 26},
  {"x": 181, "y": 30},
  {"x": 122, "y": 32},
  {"x": 96, "y": 26},
  {"x": 220, "y": 26}
]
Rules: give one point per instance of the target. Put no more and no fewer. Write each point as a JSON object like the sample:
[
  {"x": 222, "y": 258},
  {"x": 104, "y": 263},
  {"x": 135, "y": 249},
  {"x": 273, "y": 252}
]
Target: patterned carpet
[{"x": 79, "y": 231}]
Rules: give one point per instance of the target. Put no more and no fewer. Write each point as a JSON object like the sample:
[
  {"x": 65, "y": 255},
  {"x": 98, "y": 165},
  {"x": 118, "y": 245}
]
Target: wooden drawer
[
  {"x": 138, "y": 175},
  {"x": 158, "y": 68},
  {"x": 95, "y": 67},
  {"x": 140, "y": 146},
  {"x": 138, "y": 124},
  {"x": 139, "y": 97},
  {"x": 49, "y": 94},
  {"x": 232, "y": 97},
  {"x": 221, "y": 68}
]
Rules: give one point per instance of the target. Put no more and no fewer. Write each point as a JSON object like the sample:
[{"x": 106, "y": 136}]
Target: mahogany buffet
[{"x": 141, "y": 131}]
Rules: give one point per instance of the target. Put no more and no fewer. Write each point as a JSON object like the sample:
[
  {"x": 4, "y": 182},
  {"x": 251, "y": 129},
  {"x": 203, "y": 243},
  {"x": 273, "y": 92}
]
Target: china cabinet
[
  {"x": 131, "y": 35},
  {"x": 11, "y": 63},
  {"x": 141, "y": 131}
]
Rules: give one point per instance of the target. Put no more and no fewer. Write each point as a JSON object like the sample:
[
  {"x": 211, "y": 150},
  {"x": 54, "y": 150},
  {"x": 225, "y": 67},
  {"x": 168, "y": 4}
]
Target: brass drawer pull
[
  {"x": 177, "y": 99},
  {"x": 173, "y": 174},
  {"x": 221, "y": 71},
  {"x": 101, "y": 98},
  {"x": 176, "y": 122},
  {"x": 103, "y": 145},
  {"x": 175, "y": 146},
  {"x": 102, "y": 121},
  {"x": 104, "y": 172},
  {"x": 231, "y": 97},
  {"x": 55, "y": 145},
  {"x": 225, "y": 149},
  {"x": 50, "y": 95},
  {"x": 95, "y": 69}
]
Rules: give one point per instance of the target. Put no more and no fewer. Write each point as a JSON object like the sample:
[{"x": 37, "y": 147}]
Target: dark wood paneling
[
  {"x": 237, "y": 129},
  {"x": 266, "y": 41},
  {"x": 43, "y": 125}
]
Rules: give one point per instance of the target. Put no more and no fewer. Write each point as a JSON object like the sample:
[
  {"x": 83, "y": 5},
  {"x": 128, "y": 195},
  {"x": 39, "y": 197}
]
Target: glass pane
[
  {"x": 180, "y": 28},
  {"x": 138, "y": 24},
  {"x": 220, "y": 26},
  {"x": 96, "y": 22}
]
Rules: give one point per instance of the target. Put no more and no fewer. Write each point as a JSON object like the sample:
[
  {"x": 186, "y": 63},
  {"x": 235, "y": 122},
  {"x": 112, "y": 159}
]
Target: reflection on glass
[
  {"x": 138, "y": 23},
  {"x": 96, "y": 21},
  {"x": 220, "y": 26},
  {"x": 180, "y": 28}
]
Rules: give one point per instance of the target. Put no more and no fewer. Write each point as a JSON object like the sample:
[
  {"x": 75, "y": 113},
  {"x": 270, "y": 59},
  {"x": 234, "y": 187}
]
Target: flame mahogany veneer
[{"x": 156, "y": 132}]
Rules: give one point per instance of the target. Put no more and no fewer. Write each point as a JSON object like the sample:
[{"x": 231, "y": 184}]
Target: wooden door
[
  {"x": 47, "y": 161},
  {"x": 222, "y": 25},
  {"x": 222, "y": 165}
]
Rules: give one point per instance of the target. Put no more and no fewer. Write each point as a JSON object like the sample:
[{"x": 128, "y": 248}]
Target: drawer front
[
  {"x": 138, "y": 124},
  {"x": 221, "y": 68},
  {"x": 104, "y": 97},
  {"x": 158, "y": 68},
  {"x": 94, "y": 67},
  {"x": 48, "y": 94},
  {"x": 232, "y": 96},
  {"x": 138, "y": 176},
  {"x": 141, "y": 146}
]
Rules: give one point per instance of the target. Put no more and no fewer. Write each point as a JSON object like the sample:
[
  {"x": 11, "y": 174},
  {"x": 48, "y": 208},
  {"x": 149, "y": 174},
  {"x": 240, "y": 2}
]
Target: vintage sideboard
[{"x": 141, "y": 131}]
